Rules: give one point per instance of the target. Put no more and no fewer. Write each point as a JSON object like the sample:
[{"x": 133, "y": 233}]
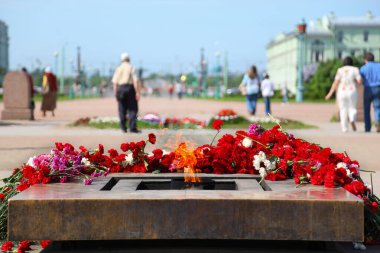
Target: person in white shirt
[
  {"x": 347, "y": 79},
  {"x": 267, "y": 91}
]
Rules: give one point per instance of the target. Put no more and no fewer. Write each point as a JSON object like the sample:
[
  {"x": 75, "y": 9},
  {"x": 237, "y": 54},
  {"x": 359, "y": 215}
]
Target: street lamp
[
  {"x": 62, "y": 76},
  {"x": 218, "y": 70},
  {"x": 56, "y": 54},
  {"x": 301, "y": 28},
  {"x": 203, "y": 80}
]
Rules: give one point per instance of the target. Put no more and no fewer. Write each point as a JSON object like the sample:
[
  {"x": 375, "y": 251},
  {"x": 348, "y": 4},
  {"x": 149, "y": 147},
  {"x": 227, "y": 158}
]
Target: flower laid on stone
[
  {"x": 226, "y": 114},
  {"x": 187, "y": 122},
  {"x": 274, "y": 154}
]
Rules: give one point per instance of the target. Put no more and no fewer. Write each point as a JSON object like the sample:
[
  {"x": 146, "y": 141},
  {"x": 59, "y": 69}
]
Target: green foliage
[
  {"x": 96, "y": 79},
  {"x": 37, "y": 77},
  {"x": 320, "y": 83}
]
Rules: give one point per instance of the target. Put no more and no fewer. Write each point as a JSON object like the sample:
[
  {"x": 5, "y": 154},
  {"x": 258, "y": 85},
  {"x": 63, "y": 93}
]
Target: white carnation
[
  {"x": 342, "y": 165},
  {"x": 85, "y": 161},
  {"x": 247, "y": 142},
  {"x": 31, "y": 162},
  {"x": 128, "y": 160},
  {"x": 263, "y": 172}
]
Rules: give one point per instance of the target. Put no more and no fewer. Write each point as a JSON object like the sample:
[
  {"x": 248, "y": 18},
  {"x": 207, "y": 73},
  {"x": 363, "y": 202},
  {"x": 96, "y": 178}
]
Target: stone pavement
[{"x": 20, "y": 140}]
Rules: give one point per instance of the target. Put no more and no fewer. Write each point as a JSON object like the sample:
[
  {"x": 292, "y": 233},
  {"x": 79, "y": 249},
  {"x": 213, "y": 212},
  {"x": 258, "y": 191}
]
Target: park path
[{"x": 198, "y": 108}]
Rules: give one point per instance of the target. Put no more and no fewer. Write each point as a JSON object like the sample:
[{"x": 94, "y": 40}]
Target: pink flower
[{"x": 88, "y": 181}]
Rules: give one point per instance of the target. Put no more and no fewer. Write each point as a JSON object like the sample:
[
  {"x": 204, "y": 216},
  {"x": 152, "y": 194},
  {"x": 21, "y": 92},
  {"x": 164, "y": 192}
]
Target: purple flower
[
  {"x": 88, "y": 181},
  {"x": 77, "y": 160},
  {"x": 254, "y": 129},
  {"x": 66, "y": 150}
]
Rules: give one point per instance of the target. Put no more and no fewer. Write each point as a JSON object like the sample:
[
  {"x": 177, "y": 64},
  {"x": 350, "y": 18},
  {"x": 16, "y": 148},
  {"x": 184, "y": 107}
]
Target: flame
[{"x": 187, "y": 160}]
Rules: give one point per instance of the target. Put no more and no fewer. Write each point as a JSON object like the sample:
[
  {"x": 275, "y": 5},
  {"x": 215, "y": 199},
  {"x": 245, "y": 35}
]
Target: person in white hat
[{"x": 127, "y": 92}]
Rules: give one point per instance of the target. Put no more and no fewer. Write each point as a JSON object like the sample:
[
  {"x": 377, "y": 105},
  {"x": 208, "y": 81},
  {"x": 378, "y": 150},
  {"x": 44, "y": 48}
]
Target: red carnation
[
  {"x": 2, "y": 197},
  {"x": 24, "y": 246},
  {"x": 100, "y": 149},
  {"x": 83, "y": 149},
  {"x": 157, "y": 153},
  {"x": 113, "y": 153},
  {"x": 374, "y": 207},
  {"x": 23, "y": 186},
  {"x": 45, "y": 243},
  {"x": 152, "y": 138},
  {"x": 125, "y": 147},
  {"x": 216, "y": 124},
  {"x": 7, "y": 246}
]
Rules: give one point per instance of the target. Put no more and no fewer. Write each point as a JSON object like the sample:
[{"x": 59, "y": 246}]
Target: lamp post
[
  {"x": 225, "y": 72},
  {"x": 203, "y": 80},
  {"x": 56, "y": 54},
  {"x": 62, "y": 76},
  {"x": 218, "y": 71},
  {"x": 301, "y": 28}
]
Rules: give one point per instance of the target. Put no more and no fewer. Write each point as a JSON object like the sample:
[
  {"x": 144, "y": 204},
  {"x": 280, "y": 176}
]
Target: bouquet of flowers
[{"x": 226, "y": 114}]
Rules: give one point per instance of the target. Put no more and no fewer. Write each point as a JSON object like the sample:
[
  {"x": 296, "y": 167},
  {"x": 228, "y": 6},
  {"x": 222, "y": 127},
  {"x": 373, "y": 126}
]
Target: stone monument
[
  {"x": 17, "y": 97},
  {"x": 158, "y": 207}
]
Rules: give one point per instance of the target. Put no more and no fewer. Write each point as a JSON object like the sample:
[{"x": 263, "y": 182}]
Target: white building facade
[{"x": 326, "y": 38}]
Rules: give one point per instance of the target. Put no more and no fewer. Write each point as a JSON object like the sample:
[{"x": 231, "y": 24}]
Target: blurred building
[
  {"x": 4, "y": 56},
  {"x": 326, "y": 38}
]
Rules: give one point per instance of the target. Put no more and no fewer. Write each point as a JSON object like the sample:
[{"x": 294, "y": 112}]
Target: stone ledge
[{"x": 72, "y": 211}]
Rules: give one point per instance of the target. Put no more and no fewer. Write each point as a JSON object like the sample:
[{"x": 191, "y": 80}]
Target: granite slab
[{"x": 267, "y": 211}]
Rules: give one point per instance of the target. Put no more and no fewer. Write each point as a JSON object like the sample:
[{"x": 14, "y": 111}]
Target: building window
[
  {"x": 339, "y": 54},
  {"x": 317, "y": 48},
  {"x": 365, "y": 36},
  {"x": 353, "y": 52},
  {"x": 340, "y": 36}
]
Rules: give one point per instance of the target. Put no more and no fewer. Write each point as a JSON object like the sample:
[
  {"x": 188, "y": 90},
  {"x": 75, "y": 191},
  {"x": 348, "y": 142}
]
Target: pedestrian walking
[
  {"x": 179, "y": 89},
  {"x": 250, "y": 88},
  {"x": 49, "y": 92},
  {"x": 171, "y": 90},
  {"x": 31, "y": 86},
  {"x": 347, "y": 79},
  {"x": 127, "y": 92},
  {"x": 284, "y": 93},
  {"x": 371, "y": 79},
  {"x": 267, "y": 91}
]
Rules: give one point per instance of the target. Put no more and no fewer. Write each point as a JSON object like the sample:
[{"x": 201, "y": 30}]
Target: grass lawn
[
  {"x": 38, "y": 97},
  {"x": 237, "y": 123},
  {"x": 241, "y": 98},
  {"x": 243, "y": 123}
]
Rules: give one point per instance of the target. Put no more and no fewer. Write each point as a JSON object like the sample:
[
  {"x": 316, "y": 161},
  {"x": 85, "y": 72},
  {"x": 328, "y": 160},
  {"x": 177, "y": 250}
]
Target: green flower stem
[
  {"x": 253, "y": 140},
  {"x": 214, "y": 137}
]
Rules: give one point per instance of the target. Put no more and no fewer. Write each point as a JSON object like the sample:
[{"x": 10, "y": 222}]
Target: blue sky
[{"x": 162, "y": 35}]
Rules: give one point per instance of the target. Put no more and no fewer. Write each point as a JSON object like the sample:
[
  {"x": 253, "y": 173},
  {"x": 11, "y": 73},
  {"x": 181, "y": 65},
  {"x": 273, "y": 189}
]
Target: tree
[{"x": 320, "y": 83}]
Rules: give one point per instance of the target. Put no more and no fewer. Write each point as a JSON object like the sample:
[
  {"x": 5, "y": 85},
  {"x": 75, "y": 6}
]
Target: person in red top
[
  {"x": 31, "y": 85},
  {"x": 49, "y": 92}
]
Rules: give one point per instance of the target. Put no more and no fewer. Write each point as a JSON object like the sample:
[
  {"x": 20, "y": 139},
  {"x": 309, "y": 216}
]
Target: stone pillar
[
  {"x": 17, "y": 97},
  {"x": 360, "y": 114}
]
